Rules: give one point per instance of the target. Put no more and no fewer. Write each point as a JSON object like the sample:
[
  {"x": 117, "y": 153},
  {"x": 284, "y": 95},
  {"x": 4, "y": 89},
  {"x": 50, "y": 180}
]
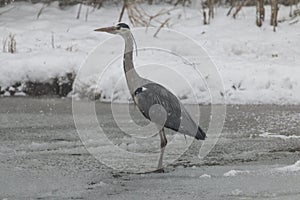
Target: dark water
[{"x": 42, "y": 157}]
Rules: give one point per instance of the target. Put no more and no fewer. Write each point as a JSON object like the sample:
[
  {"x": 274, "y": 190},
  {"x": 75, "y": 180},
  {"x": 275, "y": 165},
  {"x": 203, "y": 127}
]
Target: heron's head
[{"x": 120, "y": 29}]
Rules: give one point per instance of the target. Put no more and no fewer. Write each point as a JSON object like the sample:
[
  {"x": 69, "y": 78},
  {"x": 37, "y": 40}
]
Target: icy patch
[
  {"x": 96, "y": 185},
  {"x": 4, "y": 150},
  {"x": 205, "y": 176},
  {"x": 235, "y": 172},
  {"x": 284, "y": 137},
  {"x": 290, "y": 168},
  {"x": 236, "y": 192},
  {"x": 45, "y": 146}
]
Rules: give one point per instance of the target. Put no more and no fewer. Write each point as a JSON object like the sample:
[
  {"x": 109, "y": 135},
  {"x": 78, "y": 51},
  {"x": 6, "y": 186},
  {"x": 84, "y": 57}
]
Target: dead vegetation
[
  {"x": 208, "y": 6},
  {"x": 139, "y": 17},
  {"x": 274, "y": 14},
  {"x": 260, "y": 10},
  {"x": 9, "y": 44},
  {"x": 59, "y": 86}
]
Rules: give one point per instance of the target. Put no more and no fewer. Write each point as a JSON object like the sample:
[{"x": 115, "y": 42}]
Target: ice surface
[{"x": 41, "y": 157}]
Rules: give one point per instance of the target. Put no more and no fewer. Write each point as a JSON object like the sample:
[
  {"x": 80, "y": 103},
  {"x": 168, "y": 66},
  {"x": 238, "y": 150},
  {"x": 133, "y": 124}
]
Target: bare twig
[
  {"x": 79, "y": 11},
  {"x": 122, "y": 11},
  {"x": 12, "y": 44},
  {"x": 52, "y": 40},
  {"x": 87, "y": 13},
  {"x": 161, "y": 26},
  {"x": 239, "y": 7},
  {"x": 100, "y": 2},
  {"x": 42, "y": 9},
  {"x": 229, "y": 11},
  {"x": 4, "y": 42},
  {"x": 139, "y": 17},
  {"x": 232, "y": 6},
  {"x": 183, "y": 2},
  {"x": 204, "y": 18},
  {"x": 204, "y": 12},
  {"x": 260, "y": 12},
  {"x": 274, "y": 13},
  {"x": 291, "y": 7},
  {"x": 211, "y": 13}
]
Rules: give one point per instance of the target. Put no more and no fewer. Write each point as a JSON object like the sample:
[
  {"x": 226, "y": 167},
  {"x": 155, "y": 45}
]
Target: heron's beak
[{"x": 110, "y": 29}]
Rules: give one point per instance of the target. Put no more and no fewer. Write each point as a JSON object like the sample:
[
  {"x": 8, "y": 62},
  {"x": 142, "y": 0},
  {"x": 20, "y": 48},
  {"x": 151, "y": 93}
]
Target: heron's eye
[{"x": 118, "y": 27}]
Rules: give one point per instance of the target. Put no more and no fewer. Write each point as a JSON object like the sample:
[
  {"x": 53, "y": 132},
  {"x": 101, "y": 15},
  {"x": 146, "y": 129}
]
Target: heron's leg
[{"x": 163, "y": 144}]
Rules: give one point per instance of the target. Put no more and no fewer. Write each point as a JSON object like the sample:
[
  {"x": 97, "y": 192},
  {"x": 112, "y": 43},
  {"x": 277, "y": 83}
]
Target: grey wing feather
[{"x": 177, "y": 117}]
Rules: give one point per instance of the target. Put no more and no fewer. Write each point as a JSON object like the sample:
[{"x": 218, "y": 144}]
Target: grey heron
[{"x": 155, "y": 102}]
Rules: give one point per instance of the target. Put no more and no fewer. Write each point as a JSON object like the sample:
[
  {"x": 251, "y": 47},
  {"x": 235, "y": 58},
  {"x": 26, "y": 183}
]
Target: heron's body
[
  {"x": 147, "y": 95},
  {"x": 177, "y": 117}
]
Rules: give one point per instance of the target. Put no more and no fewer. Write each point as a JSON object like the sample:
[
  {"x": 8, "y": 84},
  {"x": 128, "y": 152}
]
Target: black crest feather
[{"x": 123, "y": 25}]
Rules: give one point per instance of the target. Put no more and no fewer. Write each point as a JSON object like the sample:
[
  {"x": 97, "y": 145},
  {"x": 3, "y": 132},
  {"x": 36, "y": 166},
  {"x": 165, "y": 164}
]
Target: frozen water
[{"x": 41, "y": 157}]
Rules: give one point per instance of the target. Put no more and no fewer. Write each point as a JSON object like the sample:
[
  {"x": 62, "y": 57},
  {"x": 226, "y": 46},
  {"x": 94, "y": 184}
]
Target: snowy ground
[
  {"x": 256, "y": 64},
  {"x": 41, "y": 157}
]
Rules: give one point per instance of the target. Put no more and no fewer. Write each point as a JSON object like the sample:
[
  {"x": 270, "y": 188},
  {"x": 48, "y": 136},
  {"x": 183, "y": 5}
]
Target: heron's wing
[
  {"x": 152, "y": 94},
  {"x": 177, "y": 117}
]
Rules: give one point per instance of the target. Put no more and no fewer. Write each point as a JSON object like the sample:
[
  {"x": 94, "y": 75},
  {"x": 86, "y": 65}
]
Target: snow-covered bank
[{"x": 256, "y": 64}]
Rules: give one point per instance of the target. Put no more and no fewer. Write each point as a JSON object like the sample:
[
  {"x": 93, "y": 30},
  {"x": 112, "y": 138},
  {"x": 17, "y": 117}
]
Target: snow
[
  {"x": 284, "y": 137},
  {"x": 257, "y": 65},
  {"x": 95, "y": 185},
  {"x": 290, "y": 168},
  {"x": 236, "y": 192},
  {"x": 235, "y": 172},
  {"x": 205, "y": 176}
]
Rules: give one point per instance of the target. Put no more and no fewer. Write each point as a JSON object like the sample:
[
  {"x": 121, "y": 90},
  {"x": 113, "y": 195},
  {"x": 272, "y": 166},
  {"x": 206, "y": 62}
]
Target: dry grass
[{"x": 9, "y": 44}]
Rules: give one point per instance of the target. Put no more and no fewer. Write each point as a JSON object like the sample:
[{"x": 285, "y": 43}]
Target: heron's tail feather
[{"x": 200, "y": 135}]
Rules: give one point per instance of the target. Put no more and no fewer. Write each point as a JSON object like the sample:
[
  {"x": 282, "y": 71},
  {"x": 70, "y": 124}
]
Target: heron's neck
[{"x": 132, "y": 76}]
